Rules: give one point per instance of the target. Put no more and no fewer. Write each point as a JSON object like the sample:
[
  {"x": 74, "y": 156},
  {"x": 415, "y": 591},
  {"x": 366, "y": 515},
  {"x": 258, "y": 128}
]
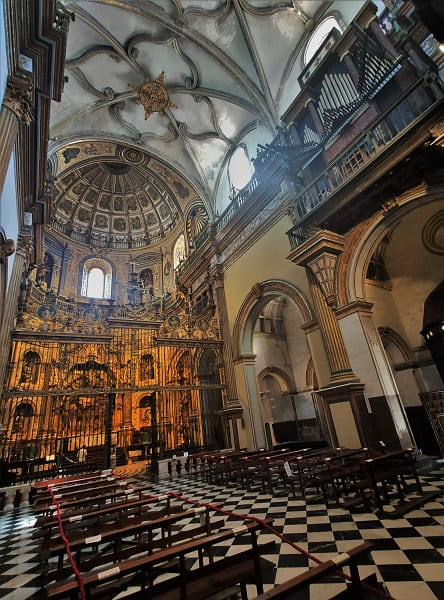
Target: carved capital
[
  {"x": 24, "y": 246},
  {"x": 320, "y": 241},
  {"x": 18, "y": 98},
  {"x": 217, "y": 277},
  {"x": 6, "y": 249},
  {"x": 323, "y": 267}
]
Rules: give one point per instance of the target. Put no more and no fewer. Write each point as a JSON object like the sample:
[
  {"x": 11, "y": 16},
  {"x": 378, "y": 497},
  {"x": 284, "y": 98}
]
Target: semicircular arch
[
  {"x": 256, "y": 299},
  {"x": 364, "y": 239}
]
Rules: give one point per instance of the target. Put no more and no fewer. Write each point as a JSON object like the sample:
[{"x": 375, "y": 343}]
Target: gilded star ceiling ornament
[{"x": 153, "y": 96}]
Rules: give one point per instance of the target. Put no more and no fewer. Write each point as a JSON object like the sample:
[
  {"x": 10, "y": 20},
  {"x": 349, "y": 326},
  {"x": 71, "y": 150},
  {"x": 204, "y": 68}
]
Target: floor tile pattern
[{"x": 407, "y": 555}]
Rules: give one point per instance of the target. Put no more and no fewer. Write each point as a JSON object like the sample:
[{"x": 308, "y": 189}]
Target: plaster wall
[
  {"x": 266, "y": 259},
  {"x": 298, "y": 350},
  {"x": 271, "y": 352},
  {"x": 414, "y": 272}
]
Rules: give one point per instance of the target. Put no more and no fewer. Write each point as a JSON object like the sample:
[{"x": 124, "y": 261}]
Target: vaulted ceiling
[{"x": 229, "y": 67}]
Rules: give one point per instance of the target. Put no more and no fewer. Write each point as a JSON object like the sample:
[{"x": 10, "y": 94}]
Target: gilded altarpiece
[{"x": 88, "y": 374}]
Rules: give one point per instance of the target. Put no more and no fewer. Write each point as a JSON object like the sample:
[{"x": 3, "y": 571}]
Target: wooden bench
[
  {"x": 119, "y": 541},
  {"x": 94, "y": 517},
  {"x": 325, "y": 471},
  {"x": 375, "y": 477},
  {"x": 313, "y": 575},
  {"x": 64, "y": 488},
  {"x": 83, "y": 503},
  {"x": 44, "y": 504},
  {"x": 45, "y": 483},
  {"x": 145, "y": 569}
]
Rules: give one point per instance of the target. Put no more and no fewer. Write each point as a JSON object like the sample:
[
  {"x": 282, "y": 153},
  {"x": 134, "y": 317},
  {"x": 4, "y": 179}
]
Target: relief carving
[
  {"x": 6, "y": 249},
  {"x": 19, "y": 99}
]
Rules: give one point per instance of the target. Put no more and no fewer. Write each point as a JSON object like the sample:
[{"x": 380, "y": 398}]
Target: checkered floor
[{"x": 407, "y": 555}]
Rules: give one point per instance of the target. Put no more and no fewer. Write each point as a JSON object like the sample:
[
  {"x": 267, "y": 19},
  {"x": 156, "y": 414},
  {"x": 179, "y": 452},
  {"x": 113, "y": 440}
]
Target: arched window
[
  {"x": 96, "y": 278},
  {"x": 95, "y": 283},
  {"x": 179, "y": 251},
  {"x": 240, "y": 169},
  {"x": 21, "y": 413},
  {"x": 318, "y": 36}
]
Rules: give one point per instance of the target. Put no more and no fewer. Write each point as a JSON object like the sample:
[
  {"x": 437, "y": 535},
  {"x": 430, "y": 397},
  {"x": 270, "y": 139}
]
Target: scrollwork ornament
[
  {"x": 6, "y": 249},
  {"x": 18, "y": 98},
  {"x": 24, "y": 246}
]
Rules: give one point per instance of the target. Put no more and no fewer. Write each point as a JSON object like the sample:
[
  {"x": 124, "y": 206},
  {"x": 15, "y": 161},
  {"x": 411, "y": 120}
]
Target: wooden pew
[
  {"x": 145, "y": 569},
  {"x": 377, "y": 475},
  {"x": 83, "y": 503},
  {"x": 43, "y": 504},
  {"x": 44, "y": 483},
  {"x": 313, "y": 575},
  {"x": 325, "y": 471},
  {"x": 65, "y": 488},
  {"x": 94, "y": 517},
  {"x": 119, "y": 541}
]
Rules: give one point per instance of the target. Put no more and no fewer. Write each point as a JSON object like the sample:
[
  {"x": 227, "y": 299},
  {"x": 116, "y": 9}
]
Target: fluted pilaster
[
  {"x": 219, "y": 288},
  {"x": 319, "y": 254},
  {"x": 334, "y": 344},
  {"x": 16, "y": 108}
]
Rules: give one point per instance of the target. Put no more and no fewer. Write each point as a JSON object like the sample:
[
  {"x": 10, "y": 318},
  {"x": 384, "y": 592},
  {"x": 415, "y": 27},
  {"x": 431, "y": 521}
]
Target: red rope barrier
[
  {"x": 281, "y": 536},
  {"x": 68, "y": 549}
]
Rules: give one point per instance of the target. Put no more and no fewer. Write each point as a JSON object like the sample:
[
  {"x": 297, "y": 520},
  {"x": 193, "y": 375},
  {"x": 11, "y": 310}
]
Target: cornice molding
[{"x": 357, "y": 306}]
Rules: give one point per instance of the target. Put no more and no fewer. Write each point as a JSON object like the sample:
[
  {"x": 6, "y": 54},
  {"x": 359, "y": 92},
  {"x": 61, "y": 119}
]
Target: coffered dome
[{"x": 120, "y": 198}]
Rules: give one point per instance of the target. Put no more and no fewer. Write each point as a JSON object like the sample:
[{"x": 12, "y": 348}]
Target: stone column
[
  {"x": 253, "y": 410},
  {"x": 16, "y": 108},
  {"x": 22, "y": 252},
  {"x": 233, "y": 410},
  {"x": 319, "y": 255},
  {"x": 369, "y": 362}
]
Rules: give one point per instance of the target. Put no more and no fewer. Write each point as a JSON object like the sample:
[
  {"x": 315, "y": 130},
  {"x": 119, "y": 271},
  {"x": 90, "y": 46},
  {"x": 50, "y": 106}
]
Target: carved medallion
[{"x": 153, "y": 96}]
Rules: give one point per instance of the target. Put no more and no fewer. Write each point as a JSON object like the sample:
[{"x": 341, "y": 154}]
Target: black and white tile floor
[{"x": 407, "y": 555}]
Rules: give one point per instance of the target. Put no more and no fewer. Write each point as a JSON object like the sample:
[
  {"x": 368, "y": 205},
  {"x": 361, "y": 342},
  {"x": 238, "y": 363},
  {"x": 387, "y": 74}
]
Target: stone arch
[
  {"x": 257, "y": 298},
  {"x": 360, "y": 245},
  {"x": 398, "y": 341},
  {"x": 281, "y": 377},
  {"x": 108, "y": 268},
  {"x": 310, "y": 376}
]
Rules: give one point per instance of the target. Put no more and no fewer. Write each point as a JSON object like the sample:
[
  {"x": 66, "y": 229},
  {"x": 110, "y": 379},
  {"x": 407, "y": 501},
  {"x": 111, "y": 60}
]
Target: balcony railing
[
  {"x": 237, "y": 202},
  {"x": 416, "y": 101}
]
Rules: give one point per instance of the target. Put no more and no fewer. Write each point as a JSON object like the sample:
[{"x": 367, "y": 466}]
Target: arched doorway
[
  {"x": 282, "y": 357},
  {"x": 403, "y": 367},
  {"x": 392, "y": 265},
  {"x": 273, "y": 352}
]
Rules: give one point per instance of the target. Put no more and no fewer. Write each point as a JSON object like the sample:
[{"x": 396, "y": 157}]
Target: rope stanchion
[{"x": 264, "y": 524}]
